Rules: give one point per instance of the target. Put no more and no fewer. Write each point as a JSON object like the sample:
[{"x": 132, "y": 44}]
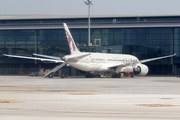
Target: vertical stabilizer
[{"x": 72, "y": 45}]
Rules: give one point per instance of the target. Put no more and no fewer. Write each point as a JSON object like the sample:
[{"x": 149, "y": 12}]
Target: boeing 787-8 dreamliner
[{"x": 95, "y": 63}]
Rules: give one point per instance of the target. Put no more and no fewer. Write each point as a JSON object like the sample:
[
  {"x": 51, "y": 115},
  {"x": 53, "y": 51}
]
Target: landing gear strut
[
  {"x": 89, "y": 75},
  {"x": 132, "y": 74}
]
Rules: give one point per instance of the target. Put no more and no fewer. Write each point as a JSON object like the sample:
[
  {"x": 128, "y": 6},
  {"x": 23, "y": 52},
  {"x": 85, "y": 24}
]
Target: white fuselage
[{"x": 101, "y": 61}]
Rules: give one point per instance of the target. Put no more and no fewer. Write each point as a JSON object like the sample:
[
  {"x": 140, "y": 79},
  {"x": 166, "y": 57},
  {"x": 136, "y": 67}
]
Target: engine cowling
[{"x": 141, "y": 69}]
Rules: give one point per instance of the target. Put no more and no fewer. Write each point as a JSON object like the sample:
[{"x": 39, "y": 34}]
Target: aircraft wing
[
  {"x": 148, "y": 60},
  {"x": 76, "y": 57},
  {"x": 42, "y": 59},
  {"x": 119, "y": 65},
  {"x": 47, "y": 56},
  {"x": 135, "y": 63}
]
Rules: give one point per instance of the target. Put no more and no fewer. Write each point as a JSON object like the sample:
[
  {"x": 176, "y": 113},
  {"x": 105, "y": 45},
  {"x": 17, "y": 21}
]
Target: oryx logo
[{"x": 70, "y": 42}]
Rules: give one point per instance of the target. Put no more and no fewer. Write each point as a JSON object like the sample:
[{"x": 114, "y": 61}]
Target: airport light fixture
[{"x": 89, "y": 3}]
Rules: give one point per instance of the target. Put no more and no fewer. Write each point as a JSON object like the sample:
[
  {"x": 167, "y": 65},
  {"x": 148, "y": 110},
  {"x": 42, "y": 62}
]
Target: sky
[{"x": 99, "y": 7}]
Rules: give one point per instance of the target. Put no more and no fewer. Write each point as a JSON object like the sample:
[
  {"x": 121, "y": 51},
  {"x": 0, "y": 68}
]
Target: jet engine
[{"x": 141, "y": 69}]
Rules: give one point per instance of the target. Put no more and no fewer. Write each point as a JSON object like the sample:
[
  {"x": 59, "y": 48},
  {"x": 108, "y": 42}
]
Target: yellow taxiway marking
[
  {"x": 36, "y": 85},
  {"x": 158, "y": 105},
  {"x": 10, "y": 101},
  {"x": 82, "y": 94},
  {"x": 49, "y": 91}
]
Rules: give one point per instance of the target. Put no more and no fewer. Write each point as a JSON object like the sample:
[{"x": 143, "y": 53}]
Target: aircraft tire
[
  {"x": 116, "y": 75},
  {"x": 132, "y": 74},
  {"x": 50, "y": 76}
]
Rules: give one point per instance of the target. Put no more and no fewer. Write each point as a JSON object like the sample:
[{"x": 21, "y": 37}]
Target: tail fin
[{"x": 72, "y": 45}]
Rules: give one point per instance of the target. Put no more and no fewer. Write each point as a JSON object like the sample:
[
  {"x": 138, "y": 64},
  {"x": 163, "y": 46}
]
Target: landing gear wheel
[
  {"x": 132, "y": 74},
  {"x": 113, "y": 75},
  {"x": 50, "y": 76},
  {"x": 116, "y": 75}
]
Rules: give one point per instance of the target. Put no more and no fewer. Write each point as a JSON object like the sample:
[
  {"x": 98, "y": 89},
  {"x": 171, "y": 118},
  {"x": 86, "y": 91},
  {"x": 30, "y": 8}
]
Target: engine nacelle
[{"x": 141, "y": 69}]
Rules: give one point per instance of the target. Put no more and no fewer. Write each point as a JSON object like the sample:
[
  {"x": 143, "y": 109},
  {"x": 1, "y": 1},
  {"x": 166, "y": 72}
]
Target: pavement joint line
[
  {"x": 82, "y": 94},
  {"x": 88, "y": 112},
  {"x": 111, "y": 86},
  {"x": 11, "y": 86},
  {"x": 49, "y": 90},
  {"x": 23, "y": 85}
]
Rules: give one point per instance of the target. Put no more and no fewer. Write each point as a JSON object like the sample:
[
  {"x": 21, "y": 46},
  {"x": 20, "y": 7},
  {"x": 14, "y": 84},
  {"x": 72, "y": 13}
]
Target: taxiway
[{"x": 37, "y": 98}]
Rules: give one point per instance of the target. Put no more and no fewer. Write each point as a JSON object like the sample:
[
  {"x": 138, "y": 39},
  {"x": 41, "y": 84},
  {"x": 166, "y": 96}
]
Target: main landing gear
[
  {"x": 132, "y": 75},
  {"x": 116, "y": 75},
  {"x": 113, "y": 75},
  {"x": 90, "y": 75}
]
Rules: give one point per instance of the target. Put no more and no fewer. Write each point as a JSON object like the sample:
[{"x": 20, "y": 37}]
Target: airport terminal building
[{"x": 142, "y": 36}]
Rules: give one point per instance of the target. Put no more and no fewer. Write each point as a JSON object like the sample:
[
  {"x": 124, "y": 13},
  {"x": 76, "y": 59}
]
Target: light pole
[{"x": 89, "y": 2}]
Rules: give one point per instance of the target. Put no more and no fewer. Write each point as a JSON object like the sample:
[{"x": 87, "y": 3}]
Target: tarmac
[{"x": 139, "y": 98}]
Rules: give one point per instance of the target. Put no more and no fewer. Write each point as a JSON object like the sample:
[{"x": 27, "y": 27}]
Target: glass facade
[
  {"x": 144, "y": 42},
  {"x": 141, "y": 42},
  {"x": 177, "y": 18},
  {"x": 25, "y": 43}
]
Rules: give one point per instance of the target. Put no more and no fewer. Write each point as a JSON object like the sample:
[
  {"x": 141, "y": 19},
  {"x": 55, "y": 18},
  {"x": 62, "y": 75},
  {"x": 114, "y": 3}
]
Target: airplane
[{"x": 93, "y": 64}]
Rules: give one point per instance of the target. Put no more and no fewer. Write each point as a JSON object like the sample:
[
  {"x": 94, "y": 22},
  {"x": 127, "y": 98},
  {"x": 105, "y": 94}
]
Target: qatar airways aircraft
[{"x": 93, "y": 64}]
